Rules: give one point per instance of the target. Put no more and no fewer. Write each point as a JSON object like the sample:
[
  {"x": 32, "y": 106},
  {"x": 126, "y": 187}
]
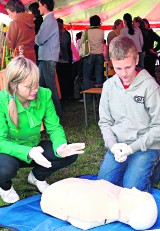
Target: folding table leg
[
  {"x": 94, "y": 108},
  {"x": 85, "y": 109}
]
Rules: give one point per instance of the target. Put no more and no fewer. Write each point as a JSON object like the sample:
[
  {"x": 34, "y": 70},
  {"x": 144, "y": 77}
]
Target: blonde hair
[
  {"x": 17, "y": 71},
  {"x": 121, "y": 47}
]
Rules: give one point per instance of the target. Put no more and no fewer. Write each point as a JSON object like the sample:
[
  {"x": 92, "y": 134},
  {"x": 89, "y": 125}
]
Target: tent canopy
[{"x": 76, "y": 13}]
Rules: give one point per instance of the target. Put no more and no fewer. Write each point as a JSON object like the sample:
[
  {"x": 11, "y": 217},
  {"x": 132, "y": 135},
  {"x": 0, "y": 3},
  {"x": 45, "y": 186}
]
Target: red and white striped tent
[{"x": 76, "y": 13}]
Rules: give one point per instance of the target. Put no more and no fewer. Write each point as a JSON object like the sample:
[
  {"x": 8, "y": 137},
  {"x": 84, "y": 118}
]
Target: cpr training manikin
[{"x": 91, "y": 203}]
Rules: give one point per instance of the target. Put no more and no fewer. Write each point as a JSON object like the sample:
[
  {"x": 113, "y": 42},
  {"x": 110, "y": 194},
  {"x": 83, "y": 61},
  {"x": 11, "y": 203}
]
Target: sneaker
[
  {"x": 9, "y": 196},
  {"x": 41, "y": 185}
]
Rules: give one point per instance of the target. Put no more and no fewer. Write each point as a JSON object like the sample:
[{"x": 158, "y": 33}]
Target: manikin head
[{"x": 137, "y": 209}]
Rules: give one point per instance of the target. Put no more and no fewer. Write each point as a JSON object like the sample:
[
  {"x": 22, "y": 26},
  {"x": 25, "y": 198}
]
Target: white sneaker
[
  {"x": 9, "y": 196},
  {"x": 41, "y": 185}
]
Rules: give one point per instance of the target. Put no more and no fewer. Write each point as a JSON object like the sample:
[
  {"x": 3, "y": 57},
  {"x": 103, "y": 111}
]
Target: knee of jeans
[
  {"x": 6, "y": 174},
  {"x": 8, "y": 171}
]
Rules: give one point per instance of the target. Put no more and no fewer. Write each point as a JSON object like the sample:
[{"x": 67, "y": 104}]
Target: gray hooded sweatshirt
[{"x": 132, "y": 115}]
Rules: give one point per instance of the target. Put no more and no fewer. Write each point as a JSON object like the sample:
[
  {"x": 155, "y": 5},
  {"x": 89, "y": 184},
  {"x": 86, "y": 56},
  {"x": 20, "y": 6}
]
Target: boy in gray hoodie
[{"x": 130, "y": 121}]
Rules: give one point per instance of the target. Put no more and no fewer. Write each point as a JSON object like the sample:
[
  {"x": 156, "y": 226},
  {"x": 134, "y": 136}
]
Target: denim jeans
[
  {"x": 10, "y": 165},
  {"x": 140, "y": 170},
  {"x": 47, "y": 79},
  {"x": 93, "y": 63}
]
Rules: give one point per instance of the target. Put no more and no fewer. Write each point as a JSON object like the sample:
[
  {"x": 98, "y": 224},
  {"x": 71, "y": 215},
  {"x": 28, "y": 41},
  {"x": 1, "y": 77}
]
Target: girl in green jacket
[{"x": 24, "y": 106}]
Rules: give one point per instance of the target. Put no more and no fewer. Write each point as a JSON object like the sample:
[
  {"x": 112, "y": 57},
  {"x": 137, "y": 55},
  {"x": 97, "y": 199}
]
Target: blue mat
[{"x": 26, "y": 215}]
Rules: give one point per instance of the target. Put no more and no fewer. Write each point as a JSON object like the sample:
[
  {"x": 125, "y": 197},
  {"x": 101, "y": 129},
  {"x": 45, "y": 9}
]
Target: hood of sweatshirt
[
  {"x": 142, "y": 76},
  {"x": 25, "y": 18}
]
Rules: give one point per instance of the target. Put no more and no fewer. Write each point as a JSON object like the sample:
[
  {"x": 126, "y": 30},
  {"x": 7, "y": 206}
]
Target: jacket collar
[{"x": 34, "y": 104}]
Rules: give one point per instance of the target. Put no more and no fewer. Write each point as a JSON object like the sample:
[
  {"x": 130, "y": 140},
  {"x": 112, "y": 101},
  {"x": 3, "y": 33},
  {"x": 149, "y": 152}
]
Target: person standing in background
[
  {"x": 95, "y": 60},
  {"x": 135, "y": 34},
  {"x": 38, "y": 19},
  {"x": 118, "y": 25},
  {"x": 78, "y": 80},
  {"x": 49, "y": 47},
  {"x": 138, "y": 22},
  {"x": 21, "y": 30},
  {"x": 64, "y": 65},
  {"x": 150, "y": 48}
]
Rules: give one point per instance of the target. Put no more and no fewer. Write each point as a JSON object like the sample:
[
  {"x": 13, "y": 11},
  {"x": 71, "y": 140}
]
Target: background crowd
[{"x": 75, "y": 73}]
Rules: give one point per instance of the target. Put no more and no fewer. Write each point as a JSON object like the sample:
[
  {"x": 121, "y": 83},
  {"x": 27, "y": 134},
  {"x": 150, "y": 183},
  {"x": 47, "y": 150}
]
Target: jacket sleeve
[
  {"x": 106, "y": 121},
  {"x": 152, "y": 136},
  {"x": 12, "y": 35},
  {"x": 53, "y": 127},
  {"x": 8, "y": 147},
  {"x": 47, "y": 29}
]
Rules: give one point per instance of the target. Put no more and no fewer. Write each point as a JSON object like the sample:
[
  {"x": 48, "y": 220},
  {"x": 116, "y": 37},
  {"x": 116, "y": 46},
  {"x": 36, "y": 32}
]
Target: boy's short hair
[
  {"x": 121, "y": 46},
  {"x": 49, "y": 4},
  {"x": 15, "y": 6}
]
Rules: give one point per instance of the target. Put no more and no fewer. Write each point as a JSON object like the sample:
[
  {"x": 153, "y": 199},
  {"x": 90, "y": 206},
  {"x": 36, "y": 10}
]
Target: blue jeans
[
  {"x": 140, "y": 170},
  {"x": 47, "y": 79},
  {"x": 93, "y": 63},
  {"x": 9, "y": 165}
]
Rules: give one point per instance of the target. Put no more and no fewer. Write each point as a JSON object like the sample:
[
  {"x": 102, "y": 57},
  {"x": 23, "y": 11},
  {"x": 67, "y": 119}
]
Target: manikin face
[
  {"x": 125, "y": 68},
  {"x": 25, "y": 92},
  {"x": 11, "y": 14}
]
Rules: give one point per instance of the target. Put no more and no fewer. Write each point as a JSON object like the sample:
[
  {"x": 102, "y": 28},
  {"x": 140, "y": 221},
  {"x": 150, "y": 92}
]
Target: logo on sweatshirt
[{"x": 139, "y": 99}]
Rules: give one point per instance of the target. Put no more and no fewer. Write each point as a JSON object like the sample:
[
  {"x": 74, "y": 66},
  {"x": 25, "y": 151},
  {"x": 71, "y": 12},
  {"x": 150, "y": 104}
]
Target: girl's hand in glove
[
  {"x": 65, "y": 150},
  {"x": 36, "y": 154}
]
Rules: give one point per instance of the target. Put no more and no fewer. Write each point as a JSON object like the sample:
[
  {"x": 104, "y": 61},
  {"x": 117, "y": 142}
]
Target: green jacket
[{"x": 18, "y": 142}]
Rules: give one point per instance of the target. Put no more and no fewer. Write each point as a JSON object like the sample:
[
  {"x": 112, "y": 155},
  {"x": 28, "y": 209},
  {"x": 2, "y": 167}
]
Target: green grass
[{"x": 88, "y": 163}]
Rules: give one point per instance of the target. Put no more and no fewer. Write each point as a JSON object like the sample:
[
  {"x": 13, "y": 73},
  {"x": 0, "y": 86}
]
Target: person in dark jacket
[
  {"x": 150, "y": 49},
  {"x": 64, "y": 65},
  {"x": 38, "y": 19}
]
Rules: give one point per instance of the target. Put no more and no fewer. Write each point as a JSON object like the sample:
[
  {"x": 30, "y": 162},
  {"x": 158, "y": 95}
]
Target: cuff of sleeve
[
  {"x": 26, "y": 158},
  {"x": 135, "y": 146},
  {"x": 110, "y": 144}
]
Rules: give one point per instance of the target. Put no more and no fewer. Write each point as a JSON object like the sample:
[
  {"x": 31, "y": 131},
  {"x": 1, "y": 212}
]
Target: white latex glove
[
  {"x": 36, "y": 154},
  {"x": 121, "y": 155},
  {"x": 65, "y": 150},
  {"x": 120, "y": 158},
  {"x": 118, "y": 147}
]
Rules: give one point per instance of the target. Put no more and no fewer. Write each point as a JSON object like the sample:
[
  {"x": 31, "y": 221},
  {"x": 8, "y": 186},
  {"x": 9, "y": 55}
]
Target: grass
[{"x": 73, "y": 122}]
